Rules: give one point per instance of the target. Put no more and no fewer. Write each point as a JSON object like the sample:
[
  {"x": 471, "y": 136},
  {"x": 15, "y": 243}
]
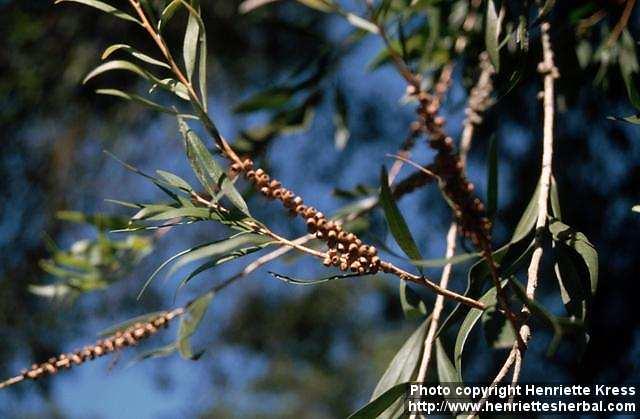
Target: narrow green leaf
[
  {"x": 580, "y": 243},
  {"x": 189, "y": 324},
  {"x": 446, "y": 371},
  {"x": 160, "y": 352},
  {"x": 165, "y": 263},
  {"x": 395, "y": 220},
  {"x": 219, "y": 248},
  {"x": 138, "y": 99},
  {"x": 492, "y": 178},
  {"x": 190, "y": 45},
  {"x": 128, "y": 323},
  {"x": 196, "y": 28},
  {"x": 209, "y": 173},
  {"x": 377, "y": 406},
  {"x": 296, "y": 281},
  {"x": 555, "y": 199},
  {"x": 492, "y": 34},
  {"x": 194, "y": 212},
  {"x": 167, "y": 13},
  {"x": 403, "y": 368},
  {"x": 528, "y": 219},
  {"x": 133, "y": 52},
  {"x": 118, "y": 65},
  {"x": 489, "y": 299},
  {"x": 102, "y": 6},
  {"x": 175, "y": 180},
  {"x": 636, "y": 208}
]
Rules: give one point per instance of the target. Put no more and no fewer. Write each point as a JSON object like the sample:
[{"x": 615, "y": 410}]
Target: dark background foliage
[{"x": 276, "y": 350}]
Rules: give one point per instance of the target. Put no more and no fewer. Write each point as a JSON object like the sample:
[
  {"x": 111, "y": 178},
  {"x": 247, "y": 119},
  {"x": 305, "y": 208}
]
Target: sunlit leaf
[
  {"x": 492, "y": 34},
  {"x": 208, "y": 171},
  {"x": 133, "y": 52},
  {"x": 629, "y": 67}
]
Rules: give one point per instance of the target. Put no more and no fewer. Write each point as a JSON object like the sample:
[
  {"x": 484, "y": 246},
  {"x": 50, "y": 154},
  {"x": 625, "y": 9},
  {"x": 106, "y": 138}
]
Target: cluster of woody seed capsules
[
  {"x": 346, "y": 251},
  {"x": 128, "y": 337},
  {"x": 468, "y": 210}
]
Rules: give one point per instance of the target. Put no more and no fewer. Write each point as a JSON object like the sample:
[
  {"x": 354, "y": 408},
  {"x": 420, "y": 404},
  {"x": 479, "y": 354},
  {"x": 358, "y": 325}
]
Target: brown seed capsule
[
  {"x": 341, "y": 247},
  {"x": 355, "y": 266},
  {"x": 265, "y": 191},
  {"x": 248, "y": 164},
  {"x": 372, "y": 251},
  {"x": 76, "y": 359},
  {"x": 277, "y": 194},
  {"x": 353, "y": 248},
  {"x": 362, "y": 250},
  {"x": 327, "y": 261},
  {"x": 344, "y": 265},
  {"x": 311, "y": 225},
  {"x": 309, "y": 212},
  {"x": 331, "y": 235},
  {"x": 319, "y": 215},
  {"x": 98, "y": 351},
  {"x": 251, "y": 175},
  {"x": 274, "y": 184}
]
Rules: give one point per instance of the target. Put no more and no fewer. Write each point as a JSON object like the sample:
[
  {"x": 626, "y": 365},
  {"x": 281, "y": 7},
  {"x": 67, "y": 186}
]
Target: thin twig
[{"x": 550, "y": 72}]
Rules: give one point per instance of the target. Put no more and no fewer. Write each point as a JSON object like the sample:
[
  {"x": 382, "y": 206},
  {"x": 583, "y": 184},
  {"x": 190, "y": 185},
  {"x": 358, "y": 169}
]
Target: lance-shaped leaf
[
  {"x": 296, "y": 281},
  {"x": 402, "y": 235},
  {"x": 107, "y": 8},
  {"x": 528, "y": 219},
  {"x": 195, "y": 40},
  {"x": 403, "y": 368},
  {"x": 492, "y": 34},
  {"x": 219, "y": 249},
  {"x": 395, "y": 220},
  {"x": 377, "y": 406},
  {"x": 167, "y": 13},
  {"x": 412, "y": 306},
  {"x": 453, "y": 260},
  {"x": 209, "y": 173},
  {"x": 489, "y": 299},
  {"x": 189, "y": 324},
  {"x": 133, "y": 52},
  {"x": 636, "y": 208},
  {"x": 138, "y": 99}
]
